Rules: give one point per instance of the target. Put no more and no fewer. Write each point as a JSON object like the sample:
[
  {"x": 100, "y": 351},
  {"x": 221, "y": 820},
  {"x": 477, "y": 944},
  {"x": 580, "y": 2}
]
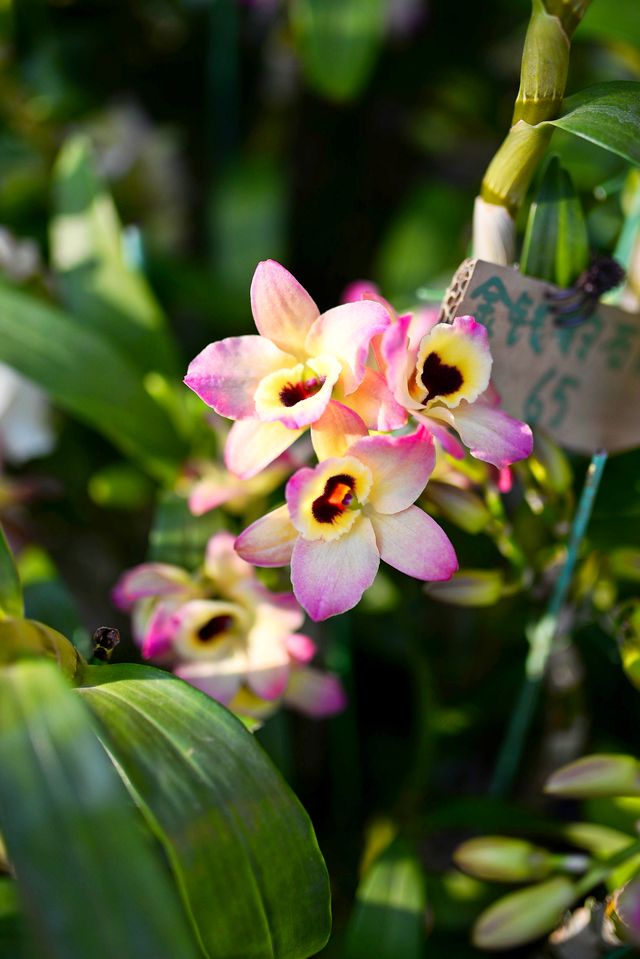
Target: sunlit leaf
[
  {"x": 97, "y": 283},
  {"x": 26, "y": 639},
  {"x": 338, "y": 42},
  {"x": 241, "y": 846},
  {"x": 607, "y": 114},
  {"x": 388, "y": 921},
  {"x": 11, "y": 603},
  {"x": 556, "y": 245},
  {"x": 91, "y": 881},
  {"x": 87, "y": 376}
]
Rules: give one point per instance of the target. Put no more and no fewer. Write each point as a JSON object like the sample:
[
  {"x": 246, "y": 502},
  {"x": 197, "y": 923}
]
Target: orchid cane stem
[
  {"x": 543, "y": 78},
  {"x": 542, "y": 636}
]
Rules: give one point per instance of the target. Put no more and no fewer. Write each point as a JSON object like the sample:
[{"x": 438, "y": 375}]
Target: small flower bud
[
  {"x": 625, "y": 564},
  {"x": 469, "y": 587},
  {"x": 525, "y": 915},
  {"x": 503, "y": 859},
  {"x": 463, "y": 507},
  {"x": 550, "y": 464},
  {"x": 494, "y": 233},
  {"x": 598, "y": 775}
]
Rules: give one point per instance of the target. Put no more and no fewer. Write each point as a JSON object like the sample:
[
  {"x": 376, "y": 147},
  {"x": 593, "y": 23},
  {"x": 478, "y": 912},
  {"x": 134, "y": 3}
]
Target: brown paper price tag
[{"x": 582, "y": 385}]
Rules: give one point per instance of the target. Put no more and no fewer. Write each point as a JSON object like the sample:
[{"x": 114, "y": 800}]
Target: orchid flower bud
[
  {"x": 525, "y": 915},
  {"x": 460, "y": 506},
  {"x": 503, "y": 859},
  {"x": 469, "y": 587},
  {"x": 599, "y": 775}
]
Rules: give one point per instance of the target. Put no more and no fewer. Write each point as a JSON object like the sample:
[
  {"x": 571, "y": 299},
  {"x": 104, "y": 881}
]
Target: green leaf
[
  {"x": 96, "y": 282},
  {"x": 91, "y": 881},
  {"x": 241, "y": 846},
  {"x": 11, "y": 603},
  {"x": 87, "y": 376},
  {"x": 611, "y": 20},
  {"x": 388, "y": 921},
  {"x": 556, "y": 245},
  {"x": 11, "y": 931},
  {"x": 177, "y": 536},
  {"x": 28, "y": 639},
  {"x": 338, "y": 42},
  {"x": 607, "y": 114}
]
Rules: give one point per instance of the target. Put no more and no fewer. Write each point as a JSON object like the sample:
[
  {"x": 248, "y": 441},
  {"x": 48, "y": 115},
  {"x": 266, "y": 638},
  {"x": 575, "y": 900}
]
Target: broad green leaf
[
  {"x": 28, "y": 639},
  {"x": 97, "y": 284},
  {"x": 92, "y": 883},
  {"x": 388, "y": 921},
  {"x": 177, "y": 536},
  {"x": 611, "y": 20},
  {"x": 556, "y": 245},
  {"x": 87, "y": 376},
  {"x": 241, "y": 846},
  {"x": 11, "y": 930},
  {"x": 607, "y": 114},
  {"x": 11, "y": 603},
  {"x": 338, "y": 42}
]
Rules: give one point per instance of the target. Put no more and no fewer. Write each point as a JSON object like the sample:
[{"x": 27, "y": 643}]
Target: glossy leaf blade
[
  {"x": 338, "y": 41},
  {"x": 389, "y": 915},
  {"x": 86, "y": 376},
  {"x": 11, "y": 603},
  {"x": 607, "y": 114},
  {"x": 556, "y": 245},
  {"x": 97, "y": 283},
  {"x": 91, "y": 882},
  {"x": 242, "y": 847}
]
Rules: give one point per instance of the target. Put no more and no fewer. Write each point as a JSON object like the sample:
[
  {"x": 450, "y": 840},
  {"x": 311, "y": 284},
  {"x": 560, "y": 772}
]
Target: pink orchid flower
[
  {"x": 440, "y": 373},
  {"x": 347, "y": 514},
  {"x": 287, "y": 378},
  {"x": 225, "y": 633}
]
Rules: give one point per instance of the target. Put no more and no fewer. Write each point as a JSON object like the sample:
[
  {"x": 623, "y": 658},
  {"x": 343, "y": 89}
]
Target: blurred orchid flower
[
  {"x": 440, "y": 373},
  {"x": 347, "y": 514},
  {"x": 293, "y": 373},
  {"x": 222, "y": 631}
]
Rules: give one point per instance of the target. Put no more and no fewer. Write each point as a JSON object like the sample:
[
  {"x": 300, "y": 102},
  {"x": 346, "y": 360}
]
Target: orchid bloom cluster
[
  {"x": 225, "y": 633},
  {"x": 376, "y": 392}
]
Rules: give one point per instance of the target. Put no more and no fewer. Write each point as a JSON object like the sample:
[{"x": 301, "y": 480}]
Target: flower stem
[{"x": 541, "y": 638}]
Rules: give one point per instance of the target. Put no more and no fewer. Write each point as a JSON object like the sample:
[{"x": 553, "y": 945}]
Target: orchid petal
[
  {"x": 413, "y": 543},
  {"x": 226, "y": 374},
  {"x": 336, "y": 430},
  {"x": 329, "y": 577},
  {"x": 400, "y": 466},
  {"x": 268, "y": 657},
  {"x": 447, "y": 441},
  {"x": 156, "y": 638},
  {"x": 221, "y": 561},
  {"x": 149, "y": 579},
  {"x": 220, "y": 680},
  {"x": 492, "y": 435},
  {"x": 315, "y": 693},
  {"x": 374, "y": 403},
  {"x": 282, "y": 308},
  {"x": 421, "y": 323},
  {"x": 269, "y": 541},
  {"x": 346, "y": 332},
  {"x": 399, "y": 362},
  {"x": 251, "y": 445},
  {"x": 301, "y": 647}
]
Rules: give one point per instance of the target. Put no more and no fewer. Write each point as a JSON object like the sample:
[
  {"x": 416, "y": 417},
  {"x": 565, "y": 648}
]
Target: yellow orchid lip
[
  {"x": 451, "y": 366},
  {"x": 207, "y": 627},
  {"x": 332, "y": 498}
]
